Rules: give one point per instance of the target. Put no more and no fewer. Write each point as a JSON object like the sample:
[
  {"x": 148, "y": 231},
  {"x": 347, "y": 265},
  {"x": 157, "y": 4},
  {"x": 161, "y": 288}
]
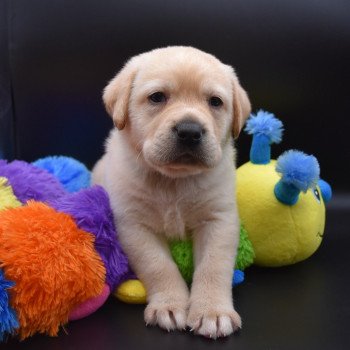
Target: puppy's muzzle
[
  {"x": 187, "y": 142},
  {"x": 189, "y": 134}
]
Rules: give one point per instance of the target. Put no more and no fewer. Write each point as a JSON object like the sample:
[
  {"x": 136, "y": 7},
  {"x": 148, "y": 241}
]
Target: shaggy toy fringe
[
  {"x": 29, "y": 182},
  {"x": 53, "y": 264},
  {"x": 8, "y": 318},
  {"x": 7, "y": 197},
  {"x": 92, "y": 213},
  {"x": 72, "y": 174}
]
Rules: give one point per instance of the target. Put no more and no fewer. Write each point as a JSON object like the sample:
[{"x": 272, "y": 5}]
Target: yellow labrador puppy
[{"x": 170, "y": 172}]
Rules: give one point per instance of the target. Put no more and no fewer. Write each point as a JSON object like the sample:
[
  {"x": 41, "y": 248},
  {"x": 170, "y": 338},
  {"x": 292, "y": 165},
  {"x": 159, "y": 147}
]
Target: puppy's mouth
[
  {"x": 186, "y": 159},
  {"x": 183, "y": 164}
]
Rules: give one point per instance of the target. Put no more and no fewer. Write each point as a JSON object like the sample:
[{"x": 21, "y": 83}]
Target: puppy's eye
[
  {"x": 157, "y": 97},
  {"x": 215, "y": 101}
]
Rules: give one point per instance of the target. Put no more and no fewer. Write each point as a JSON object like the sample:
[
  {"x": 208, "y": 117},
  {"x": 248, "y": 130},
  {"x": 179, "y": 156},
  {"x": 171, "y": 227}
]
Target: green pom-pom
[
  {"x": 183, "y": 257},
  {"x": 181, "y": 252},
  {"x": 245, "y": 254}
]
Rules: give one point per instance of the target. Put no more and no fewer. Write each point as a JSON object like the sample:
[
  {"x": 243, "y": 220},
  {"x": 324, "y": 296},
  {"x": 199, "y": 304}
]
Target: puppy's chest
[
  {"x": 174, "y": 221},
  {"x": 175, "y": 215}
]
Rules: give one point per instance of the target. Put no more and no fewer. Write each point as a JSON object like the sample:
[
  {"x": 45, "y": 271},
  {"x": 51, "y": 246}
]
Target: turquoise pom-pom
[
  {"x": 8, "y": 318},
  {"x": 73, "y": 174}
]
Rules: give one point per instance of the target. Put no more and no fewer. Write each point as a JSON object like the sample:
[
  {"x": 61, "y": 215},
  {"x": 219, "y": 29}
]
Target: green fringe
[{"x": 181, "y": 252}]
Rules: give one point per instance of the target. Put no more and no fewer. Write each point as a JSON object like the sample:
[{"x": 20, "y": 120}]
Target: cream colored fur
[{"x": 155, "y": 199}]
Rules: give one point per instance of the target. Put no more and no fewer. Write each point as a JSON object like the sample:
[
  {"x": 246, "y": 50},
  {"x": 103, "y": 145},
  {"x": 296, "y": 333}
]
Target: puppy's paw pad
[
  {"x": 166, "y": 317},
  {"x": 214, "y": 324}
]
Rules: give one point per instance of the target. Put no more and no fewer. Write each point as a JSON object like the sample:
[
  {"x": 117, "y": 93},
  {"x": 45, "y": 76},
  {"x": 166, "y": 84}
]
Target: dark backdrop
[{"x": 56, "y": 57}]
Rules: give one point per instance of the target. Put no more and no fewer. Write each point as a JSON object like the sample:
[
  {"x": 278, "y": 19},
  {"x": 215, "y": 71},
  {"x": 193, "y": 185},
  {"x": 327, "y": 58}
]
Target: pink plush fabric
[{"x": 90, "y": 306}]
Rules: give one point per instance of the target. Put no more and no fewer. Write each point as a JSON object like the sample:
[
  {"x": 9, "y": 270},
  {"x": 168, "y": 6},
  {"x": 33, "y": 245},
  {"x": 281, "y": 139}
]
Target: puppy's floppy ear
[
  {"x": 241, "y": 107},
  {"x": 116, "y": 95}
]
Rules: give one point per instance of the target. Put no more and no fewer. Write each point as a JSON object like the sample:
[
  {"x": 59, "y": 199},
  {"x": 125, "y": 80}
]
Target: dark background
[
  {"x": 291, "y": 56},
  {"x": 293, "y": 59}
]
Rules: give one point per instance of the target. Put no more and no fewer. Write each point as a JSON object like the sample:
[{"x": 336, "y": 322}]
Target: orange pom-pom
[{"x": 53, "y": 264}]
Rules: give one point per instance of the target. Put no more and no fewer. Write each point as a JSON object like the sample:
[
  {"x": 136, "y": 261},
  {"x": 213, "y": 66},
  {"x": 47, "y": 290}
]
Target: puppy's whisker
[{"x": 138, "y": 155}]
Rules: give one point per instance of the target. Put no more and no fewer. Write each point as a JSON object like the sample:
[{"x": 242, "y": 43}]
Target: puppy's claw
[
  {"x": 166, "y": 317},
  {"x": 217, "y": 325}
]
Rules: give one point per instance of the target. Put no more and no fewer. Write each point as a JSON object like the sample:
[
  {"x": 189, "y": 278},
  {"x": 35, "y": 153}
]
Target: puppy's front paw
[
  {"x": 213, "y": 322},
  {"x": 167, "y": 315}
]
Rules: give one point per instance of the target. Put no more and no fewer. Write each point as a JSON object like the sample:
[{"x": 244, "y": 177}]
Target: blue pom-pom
[
  {"x": 8, "y": 318},
  {"x": 238, "y": 277},
  {"x": 298, "y": 169},
  {"x": 265, "y": 123},
  {"x": 266, "y": 129},
  {"x": 73, "y": 174},
  {"x": 326, "y": 190}
]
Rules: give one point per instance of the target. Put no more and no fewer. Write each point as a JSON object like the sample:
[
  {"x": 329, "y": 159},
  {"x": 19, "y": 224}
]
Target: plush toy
[
  {"x": 281, "y": 203},
  {"x": 59, "y": 255}
]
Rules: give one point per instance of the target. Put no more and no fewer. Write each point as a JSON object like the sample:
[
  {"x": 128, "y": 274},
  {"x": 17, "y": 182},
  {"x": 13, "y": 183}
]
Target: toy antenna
[
  {"x": 299, "y": 172},
  {"x": 266, "y": 129}
]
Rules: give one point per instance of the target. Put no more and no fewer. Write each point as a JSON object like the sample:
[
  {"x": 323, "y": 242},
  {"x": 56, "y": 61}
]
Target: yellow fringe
[{"x": 7, "y": 197}]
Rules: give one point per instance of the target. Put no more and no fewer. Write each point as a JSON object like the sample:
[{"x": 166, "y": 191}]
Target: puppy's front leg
[
  {"x": 167, "y": 292},
  {"x": 211, "y": 310}
]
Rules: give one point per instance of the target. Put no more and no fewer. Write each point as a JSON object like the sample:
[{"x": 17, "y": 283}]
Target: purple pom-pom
[
  {"x": 91, "y": 211},
  {"x": 29, "y": 182}
]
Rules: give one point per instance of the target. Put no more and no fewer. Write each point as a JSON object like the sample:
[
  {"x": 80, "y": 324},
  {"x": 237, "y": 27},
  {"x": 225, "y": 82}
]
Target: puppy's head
[{"x": 178, "y": 107}]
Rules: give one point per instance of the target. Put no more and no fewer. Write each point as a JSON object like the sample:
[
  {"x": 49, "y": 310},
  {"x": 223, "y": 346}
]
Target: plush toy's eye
[
  {"x": 157, "y": 97},
  {"x": 215, "y": 101},
  {"x": 317, "y": 195}
]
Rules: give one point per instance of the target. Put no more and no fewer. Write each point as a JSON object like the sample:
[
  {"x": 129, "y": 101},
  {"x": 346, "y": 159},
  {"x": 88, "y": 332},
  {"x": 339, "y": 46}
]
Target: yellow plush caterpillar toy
[{"x": 281, "y": 203}]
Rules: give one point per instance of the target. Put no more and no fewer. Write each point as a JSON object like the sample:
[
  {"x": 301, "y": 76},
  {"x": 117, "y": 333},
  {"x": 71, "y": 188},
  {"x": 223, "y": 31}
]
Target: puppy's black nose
[{"x": 188, "y": 133}]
